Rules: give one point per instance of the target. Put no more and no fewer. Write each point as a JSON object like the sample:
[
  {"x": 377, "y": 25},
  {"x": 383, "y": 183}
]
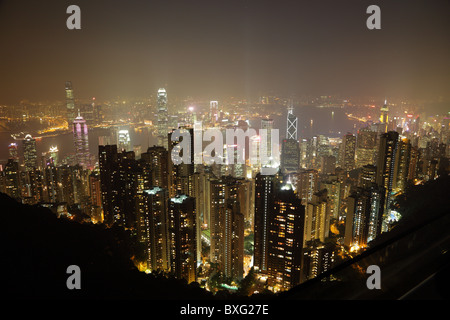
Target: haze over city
[{"x": 216, "y": 49}]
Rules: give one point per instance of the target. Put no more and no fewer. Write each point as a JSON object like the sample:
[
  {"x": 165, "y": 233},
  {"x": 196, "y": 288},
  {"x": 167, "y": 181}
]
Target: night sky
[{"x": 214, "y": 49}]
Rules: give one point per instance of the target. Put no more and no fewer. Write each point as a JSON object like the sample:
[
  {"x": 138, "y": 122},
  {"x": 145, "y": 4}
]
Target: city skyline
[{"x": 234, "y": 148}]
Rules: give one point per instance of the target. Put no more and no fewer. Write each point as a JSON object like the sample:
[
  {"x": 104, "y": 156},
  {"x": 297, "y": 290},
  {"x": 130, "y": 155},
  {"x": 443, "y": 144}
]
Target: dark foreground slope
[{"x": 36, "y": 248}]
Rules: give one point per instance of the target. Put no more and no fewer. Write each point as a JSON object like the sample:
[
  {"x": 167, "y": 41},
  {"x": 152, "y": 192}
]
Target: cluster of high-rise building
[{"x": 329, "y": 198}]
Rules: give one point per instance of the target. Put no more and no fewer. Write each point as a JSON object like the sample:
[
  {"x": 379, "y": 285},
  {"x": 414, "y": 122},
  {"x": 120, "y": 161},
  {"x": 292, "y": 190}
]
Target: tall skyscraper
[
  {"x": 70, "y": 103},
  {"x": 158, "y": 159},
  {"x": 307, "y": 184},
  {"x": 29, "y": 153},
  {"x": 153, "y": 217},
  {"x": 162, "y": 118},
  {"x": 267, "y": 124},
  {"x": 366, "y": 147},
  {"x": 12, "y": 179},
  {"x": 386, "y": 165},
  {"x": 364, "y": 216},
  {"x": 291, "y": 131},
  {"x": 384, "y": 113},
  {"x": 227, "y": 230},
  {"x": 286, "y": 224},
  {"x": 317, "y": 219},
  {"x": 13, "y": 152},
  {"x": 183, "y": 237},
  {"x": 81, "y": 141},
  {"x": 402, "y": 165},
  {"x": 290, "y": 156},
  {"x": 123, "y": 140},
  {"x": 107, "y": 158},
  {"x": 348, "y": 152}
]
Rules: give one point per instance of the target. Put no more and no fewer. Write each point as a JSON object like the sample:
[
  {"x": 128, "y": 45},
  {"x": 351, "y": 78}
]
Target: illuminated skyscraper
[
  {"x": 286, "y": 224},
  {"x": 291, "y": 132},
  {"x": 153, "y": 218},
  {"x": 81, "y": 141},
  {"x": 386, "y": 165},
  {"x": 384, "y": 116},
  {"x": 29, "y": 153},
  {"x": 317, "y": 220},
  {"x": 366, "y": 147},
  {"x": 348, "y": 152},
  {"x": 13, "y": 153},
  {"x": 162, "y": 118},
  {"x": 227, "y": 232},
  {"x": 70, "y": 103},
  {"x": 12, "y": 179},
  {"x": 290, "y": 156},
  {"x": 267, "y": 124},
  {"x": 183, "y": 233},
  {"x": 402, "y": 164},
  {"x": 123, "y": 140},
  {"x": 264, "y": 197}
]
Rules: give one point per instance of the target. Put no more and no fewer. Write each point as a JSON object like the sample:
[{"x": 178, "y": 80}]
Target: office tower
[
  {"x": 29, "y": 153},
  {"x": 35, "y": 187},
  {"x": 162, "y": 118},
  {"x": 54, "y": 155},
  {"x": 401, "y": 165},
  {"x": 81, "y": 141},
  {"x": 158, "y": 159},
  {"x": 303, "y": 153},
  {"x": 12, "y": 179},
  {"x": 286, "y": 224},
  {"x": 348, "y": 152},
  {"x": 333, "y": 187},
  {"x": 214, "y": 111},
  {"x": 291, "y": 132},
  {"x": 183, "y": 237},
  {"x": 307, "y": 184},
  {"x": 364, "y": 216},
  {"x": 267, "y": 124},
  {"x": 386, "y": 165},
  {"x": 95, "y": 197},
  {"x": 70, "y": 104},
  {"x": 123, "y": 140},
  {"x": 290, "y": 156},
  {"x": 312, "y": 159},
  {"x": 153, "y": 227},
  {"x": 328, "y": 165},
  {"x": 129, "y": 182},
  {"x": 366, "y": 145},
  {"x": 13, "y": 152},
  {"x": 384, "y": 116},
  {"x": 318, "y": 257},
  {"x": 264, "y": 197},
  {"x": 226, "y": 228},
  {"x": 202, "y": 194},
  {"x": 107, "y": 158},
  {"x": 317, "y": 218},
  {"x": 51, "y": 185},
  {"x": 66, "y": 176},
  {"x": 367, "y": 176},
  {"x": 254, "y": 152}
]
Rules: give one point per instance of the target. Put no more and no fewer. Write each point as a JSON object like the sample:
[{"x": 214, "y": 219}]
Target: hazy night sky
[{"x": 218, "y": 48}]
